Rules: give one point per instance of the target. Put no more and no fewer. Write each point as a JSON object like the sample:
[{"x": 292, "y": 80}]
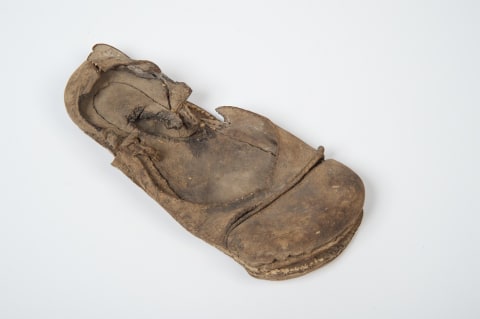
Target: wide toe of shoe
[{"x": 317, "y": 215}]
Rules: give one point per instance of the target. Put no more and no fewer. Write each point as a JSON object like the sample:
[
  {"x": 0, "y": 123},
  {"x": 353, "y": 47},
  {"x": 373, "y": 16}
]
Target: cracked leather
[{"x": 244, "y": 185}]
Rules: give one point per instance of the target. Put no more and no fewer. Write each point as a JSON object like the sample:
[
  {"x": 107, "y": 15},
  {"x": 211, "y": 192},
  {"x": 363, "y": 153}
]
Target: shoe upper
[{"x": 242, "y": 184}]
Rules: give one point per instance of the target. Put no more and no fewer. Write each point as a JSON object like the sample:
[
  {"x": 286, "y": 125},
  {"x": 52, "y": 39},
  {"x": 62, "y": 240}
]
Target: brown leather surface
[{"x": 243, "y": 184}]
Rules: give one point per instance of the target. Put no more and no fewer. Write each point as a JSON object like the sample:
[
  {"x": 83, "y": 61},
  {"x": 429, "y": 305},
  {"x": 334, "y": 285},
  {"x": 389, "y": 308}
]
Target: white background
[{"x": 390, "y": 88}]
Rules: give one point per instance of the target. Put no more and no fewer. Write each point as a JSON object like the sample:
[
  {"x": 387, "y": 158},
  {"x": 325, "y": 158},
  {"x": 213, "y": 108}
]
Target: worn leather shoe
[{"x": 242, "y": 184}]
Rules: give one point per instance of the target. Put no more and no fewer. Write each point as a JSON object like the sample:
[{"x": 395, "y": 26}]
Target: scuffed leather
[{"x": 243, "y": 184}]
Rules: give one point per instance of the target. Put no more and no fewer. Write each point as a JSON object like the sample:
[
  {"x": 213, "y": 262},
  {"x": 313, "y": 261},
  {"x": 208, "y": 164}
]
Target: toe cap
[{"x": 314, "y": 213}]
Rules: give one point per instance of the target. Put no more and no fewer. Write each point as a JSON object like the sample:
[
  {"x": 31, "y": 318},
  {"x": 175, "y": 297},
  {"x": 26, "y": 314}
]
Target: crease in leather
[{"x": 275, "y": 194}]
